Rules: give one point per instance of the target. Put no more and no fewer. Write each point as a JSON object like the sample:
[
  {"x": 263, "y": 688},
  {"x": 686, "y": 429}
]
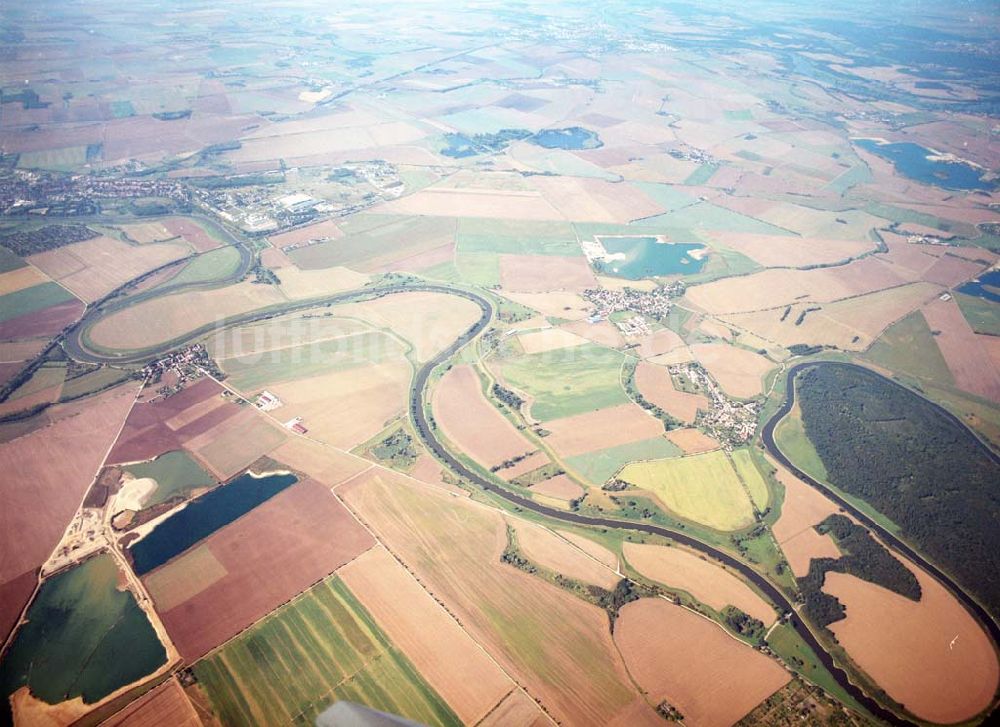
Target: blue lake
[
  {"x": 645, "y": 257},
  {"x": 574, "y": 137},
  {"x": 985, "y": 286},
  {"x": 204, "y": 516},
  {"x": 911, "y": 161}
]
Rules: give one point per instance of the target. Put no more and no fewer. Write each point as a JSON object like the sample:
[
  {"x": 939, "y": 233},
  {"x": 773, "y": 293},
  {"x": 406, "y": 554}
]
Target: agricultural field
[
  {"x": 710, "y": 583},
  {"x": 558, "y": 648},
  {"x": 324, "y": 647},
  {"x": 527, "y": 473},
  {"x": 242, "y": 572},
  {"x": 570, "y": 381},
  {"x": 704, "y": 488},
  {"x": 723, "y": 679}
]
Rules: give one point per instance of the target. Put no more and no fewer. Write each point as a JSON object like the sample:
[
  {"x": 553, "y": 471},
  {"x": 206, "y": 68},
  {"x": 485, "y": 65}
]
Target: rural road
[{"x": 77, "y": 350}]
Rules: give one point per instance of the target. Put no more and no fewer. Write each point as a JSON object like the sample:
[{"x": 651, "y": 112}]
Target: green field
[
  {"x": 84, "y": 638},
  {"x": 9, "y": 261},
  {"x": 598, "y": 467},
  {"x": 29, "y": 300},
  {"x": 368, "y": 238},
  {"x": 208, "y": 267},
  {"x": 49, "y": 374},
  {"x": 321, "y": 648},
  {"x": 568, "y": 381},
  {"x": 65, "y": 159},
  {"x": 94, "y": 381},
  {"x": 702, "y": 174},
  {"x": 176, "y": 475},
  {"x": 516, "y": 237},
  {"x": 703, "y": 488},
  {"x": 253, "y": 371},
  {"x": 751, "y": 477},
  {"x": 908, "y": 346},
  {"x": 982, "y": 315},
  {"x": 790, "y": 436},
  {"x": 478, "y": 268}
]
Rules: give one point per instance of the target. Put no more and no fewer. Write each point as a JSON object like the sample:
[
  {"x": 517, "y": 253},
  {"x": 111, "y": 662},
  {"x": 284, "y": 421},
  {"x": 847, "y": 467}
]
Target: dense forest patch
[{"x": 912, "y": 462}]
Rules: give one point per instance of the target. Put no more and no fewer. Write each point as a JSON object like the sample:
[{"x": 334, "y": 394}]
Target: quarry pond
[
  {"x": 635, "y": 258},
  {"x": 921, "y": 164}
]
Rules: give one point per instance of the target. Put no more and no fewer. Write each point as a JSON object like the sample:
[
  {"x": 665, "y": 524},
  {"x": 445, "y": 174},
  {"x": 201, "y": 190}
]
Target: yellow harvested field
[
  {"x": 319, "y": 462},
  {"x": 604, "y": 333},
  {"x": 657, "y": 387},
  {"x": 692, "y": 441},
  {"x": 542, "y": 273},
  {"x": 601, "y": 429},
  {"x": 739, "y": 372},
  {"x": 543, "y": 547},
  {"x": 428, "y": 321},
  {"x": 773, "y": 288},
  {"x": 560, "y": 487},
  {"x": 302, "y": 284},
  {"x": 584, "y": 199},
  {"x": 559, "y": 648},
  {"x": 164, "y": 706},
  {"x": 594, "y": 550},
  {"x": 690, "y": 662},
  {"x": 146, "y": 232},
  {"x": 703, "y": 488},
  {"x": 181, "y": 579},
  {"x": 93, "y": 268},
  {"x": 569, "y": 306},
  {"x": 474, "y": 426},
  {"x": 159, "y": 320},
  {"x": 930, "y": 655},
  {"x": 491, "y": 203},
  {"x": 517, "y": 710},
  {"x": 529, "y": 463},
  {"x": 280, "y": 333},
  {"x": 704, "y": 579},
  {"x": 802, "y": 509},
  {"x": 789, "y": 252},
  {"x": 548, "y": 339},
  {"x": 444, "y": 654},
  {"x": 19, "y": 279},
  {"x": 349, "y": 406},
  {"x": 658, "y": 343},
  {"x": 851, "y": 324},
  {"x": 714, "y": 328}
]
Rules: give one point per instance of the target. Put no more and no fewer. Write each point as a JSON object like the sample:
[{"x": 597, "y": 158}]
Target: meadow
[
  {"x": 569, "y": 381},
  {"x": 703, "y": 487}
]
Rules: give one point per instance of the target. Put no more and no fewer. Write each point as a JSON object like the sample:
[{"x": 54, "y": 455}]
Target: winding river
[{"x": 76, "y": 348}]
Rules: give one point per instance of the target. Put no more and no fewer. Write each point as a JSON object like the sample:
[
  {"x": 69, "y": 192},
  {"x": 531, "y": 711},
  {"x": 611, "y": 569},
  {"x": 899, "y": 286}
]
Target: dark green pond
[{"x": 84, "y": 638}]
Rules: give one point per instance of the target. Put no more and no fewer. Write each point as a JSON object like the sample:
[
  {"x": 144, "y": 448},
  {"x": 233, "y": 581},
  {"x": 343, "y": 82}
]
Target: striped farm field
[{"x": 321, "y": 648}]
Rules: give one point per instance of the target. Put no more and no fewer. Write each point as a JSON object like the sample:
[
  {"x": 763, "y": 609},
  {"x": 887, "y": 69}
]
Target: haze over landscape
[{"x": 499, "y": 363}]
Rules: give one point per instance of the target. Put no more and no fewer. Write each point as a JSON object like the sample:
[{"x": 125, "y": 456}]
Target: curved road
[
  {"x": 767, "y": 436},
  {"x": 424, "y": 429}
]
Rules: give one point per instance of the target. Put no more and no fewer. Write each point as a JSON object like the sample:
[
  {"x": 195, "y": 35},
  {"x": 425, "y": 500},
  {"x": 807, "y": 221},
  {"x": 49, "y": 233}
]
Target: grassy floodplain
[
  {"x": 703, "y": 488},
  {"x": 321, "y": 648},
  {"x": 569, "y": 381},
  {"x": 84, "y": 638}
]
